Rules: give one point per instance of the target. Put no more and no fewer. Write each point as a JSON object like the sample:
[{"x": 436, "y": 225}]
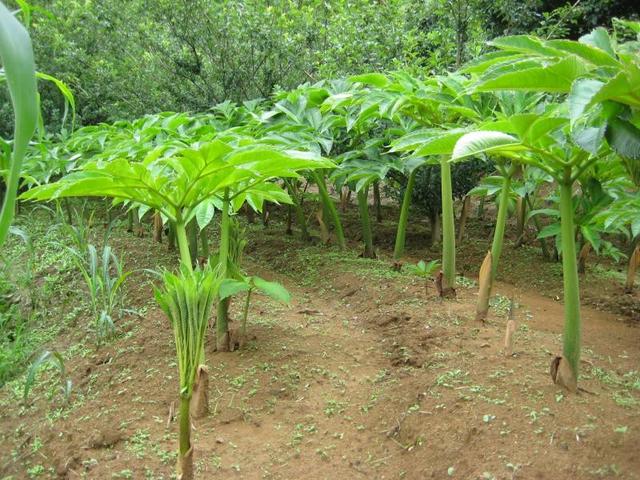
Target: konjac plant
[
  {"x": 544, "y": 141},
  {"x": 599, "y": 77},
  {"x": 178, "y": 185}
]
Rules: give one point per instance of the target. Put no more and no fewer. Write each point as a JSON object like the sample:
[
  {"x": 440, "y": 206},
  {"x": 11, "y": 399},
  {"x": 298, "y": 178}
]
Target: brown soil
[{"x": 363, "y": 376}]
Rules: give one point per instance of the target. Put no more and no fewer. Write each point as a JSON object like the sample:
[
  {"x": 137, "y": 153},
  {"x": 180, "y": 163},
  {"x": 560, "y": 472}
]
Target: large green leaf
[
  {"x": 178, "y": 184},
  {"x": 600, "y": 39},
  {"x": 412, "y": 140},
  {"x": 524, "y": 44},
  {"x": 556, "y": 77},
  {"x": 230, "y": 287},
  {"x": 475, "y": 143},
  {"x": 441, "y": 144},
  {"x": 16, "y": 55},
  {"x": 624, "y": 138},
  {"x": 619, "y": 88},
  {"x": 593, "y": 55},
  {"x": 204, "y": 213},
  {"x": 64, "y": 89},
  {"x": 582, "y": 93},
  {"x": 272, "y": 289},
  {"x": 375, "y": 79}
]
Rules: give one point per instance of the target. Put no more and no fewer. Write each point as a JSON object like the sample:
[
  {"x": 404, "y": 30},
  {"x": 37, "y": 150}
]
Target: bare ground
[{"x": 365, "y": 375}]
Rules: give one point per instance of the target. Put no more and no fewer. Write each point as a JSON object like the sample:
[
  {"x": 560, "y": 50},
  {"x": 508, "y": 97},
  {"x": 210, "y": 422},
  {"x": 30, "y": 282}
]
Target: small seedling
[{"x": 425, "y": 271}]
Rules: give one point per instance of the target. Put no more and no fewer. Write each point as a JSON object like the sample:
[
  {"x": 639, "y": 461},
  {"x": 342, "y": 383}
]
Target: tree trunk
[
  {"x": 157, "y": 227},
  {"x": 345, "y": 197},
  {"x": 298, "y": 210}
]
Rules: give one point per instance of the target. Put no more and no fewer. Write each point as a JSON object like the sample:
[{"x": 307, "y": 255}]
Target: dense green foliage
[
  {"x": 267, "y": 108},
  {"x": 125, "y": 58}
]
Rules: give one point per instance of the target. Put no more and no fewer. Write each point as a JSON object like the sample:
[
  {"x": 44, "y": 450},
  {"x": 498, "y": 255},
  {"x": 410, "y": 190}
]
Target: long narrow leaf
[{"x": 17, "y": 58}]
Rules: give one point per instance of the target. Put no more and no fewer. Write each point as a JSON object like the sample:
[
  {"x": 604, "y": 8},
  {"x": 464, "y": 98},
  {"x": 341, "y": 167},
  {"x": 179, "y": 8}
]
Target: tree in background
[{"x": 125, "y": 58}]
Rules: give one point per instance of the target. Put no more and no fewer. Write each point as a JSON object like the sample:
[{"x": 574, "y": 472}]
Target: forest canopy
[{"x": 125, "y": 58}]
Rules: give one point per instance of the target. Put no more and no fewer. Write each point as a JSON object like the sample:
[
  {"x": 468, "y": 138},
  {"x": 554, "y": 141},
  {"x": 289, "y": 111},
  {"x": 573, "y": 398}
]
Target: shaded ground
[{"x": 364, "y": 376}]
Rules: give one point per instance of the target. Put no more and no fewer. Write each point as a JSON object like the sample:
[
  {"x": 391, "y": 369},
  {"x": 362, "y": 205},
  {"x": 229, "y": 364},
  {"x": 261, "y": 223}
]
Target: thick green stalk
[
  {"x": 448, "y": 226},
  {"x": 501, "y": 220},
  {"x": 183, "y": 243},
  {"x": 367, "y": 236},
  {"x": 404, "y": 217},
  {"x": 572, "y": 328},
  {"x": 328, "y": 204},
  {"x": 185, "y": 425},
  {"x": 222, "y": 321}
]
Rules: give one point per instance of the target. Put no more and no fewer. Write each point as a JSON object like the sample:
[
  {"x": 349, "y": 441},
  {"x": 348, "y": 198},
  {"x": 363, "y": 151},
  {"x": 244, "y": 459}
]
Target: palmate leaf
[
  {"x": 475, "y": 143},
  {"x": 259, "y": 193},
  {"x": 621, "y": 88},
  {"x": 176, "y": 185},
  {"x": 362, "y": 171}
]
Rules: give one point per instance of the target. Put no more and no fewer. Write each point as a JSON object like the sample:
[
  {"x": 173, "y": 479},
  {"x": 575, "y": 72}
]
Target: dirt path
[{"x": 364, "y": 376}]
